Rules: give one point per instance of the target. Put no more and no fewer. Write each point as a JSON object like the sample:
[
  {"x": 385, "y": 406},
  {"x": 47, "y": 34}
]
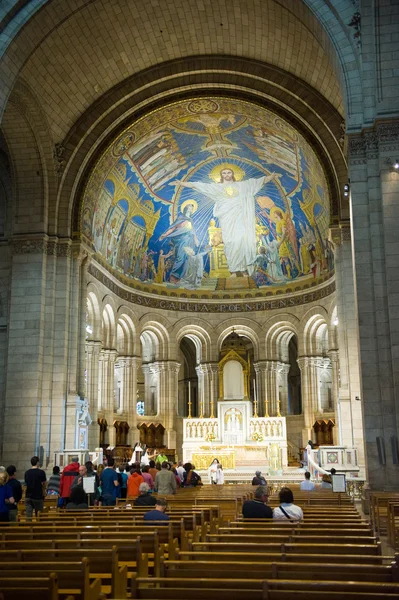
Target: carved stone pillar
[
  {"x": 210, "y": 382},
  {"x": 271, "y": 387},
  {"x": 168, "y": 397},
  {"x": 305, "y": 364},
  {"x": 92, "y": 376},
  {"x": 283, "y": 370},
  {"x": 201, "y": 369},
  {"x": 129, "y": 366},
  {"x": 151, "y": 406},
  {"x": 261, "y": 386},
  {"x": 107, "y": 375}
]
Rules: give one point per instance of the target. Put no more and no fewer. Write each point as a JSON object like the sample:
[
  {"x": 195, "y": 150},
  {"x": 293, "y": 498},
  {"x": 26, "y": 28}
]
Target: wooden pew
[
  {"x": 292, "y": 556},
  {"x": 279, "y": 570},
  {"x": 174, "y": 587},
  {"x": 292, "y": 547},
  {"x": 104, "y": 563},
  {"x": 379, "y": 510},
  {"x": 73, "y": 577},
  {"x": 29, "y": 588},
  {"x": 290, "y": 536}
]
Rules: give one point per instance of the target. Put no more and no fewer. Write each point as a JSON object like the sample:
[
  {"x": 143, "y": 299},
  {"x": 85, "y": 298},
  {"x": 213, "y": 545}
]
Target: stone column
[
  {"x": 305, "y": 363},
  {"x": 201, "y": 390},
  {"x": 107, "y": 374},
  {"x": 272, "y": 391},
  {"x": 348, "y": 409},
  {"x": 168, "y": 401},
  {"x": 93, "y": 349},
  {"x": 261, "y": 385},
  {"x": 283, "y": 370},
  {"x": 150, "y": 403},
  {"x": 334, "y": 358},
  {"x": 129, "y": 368},
  {"x": 210, "y": 374}
]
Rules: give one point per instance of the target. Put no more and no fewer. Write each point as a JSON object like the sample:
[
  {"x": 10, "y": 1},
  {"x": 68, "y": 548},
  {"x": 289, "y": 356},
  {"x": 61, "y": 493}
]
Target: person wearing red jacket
[{"x": 67, "y": 478}]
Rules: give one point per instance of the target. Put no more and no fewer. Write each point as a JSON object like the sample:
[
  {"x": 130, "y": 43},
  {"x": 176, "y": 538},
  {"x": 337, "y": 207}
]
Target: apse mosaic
[{"x": 210, "y": 195}]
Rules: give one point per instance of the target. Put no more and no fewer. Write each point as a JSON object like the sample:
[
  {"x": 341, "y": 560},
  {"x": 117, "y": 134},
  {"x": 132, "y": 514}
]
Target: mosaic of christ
[{"x": 212, "y": 195}]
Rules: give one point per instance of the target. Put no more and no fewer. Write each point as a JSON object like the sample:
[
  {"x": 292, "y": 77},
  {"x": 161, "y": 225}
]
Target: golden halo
[
  {"x": 274, "y": 210},
  {"x": 187, "y": 202},
  {"x": 215, "y": 173}
]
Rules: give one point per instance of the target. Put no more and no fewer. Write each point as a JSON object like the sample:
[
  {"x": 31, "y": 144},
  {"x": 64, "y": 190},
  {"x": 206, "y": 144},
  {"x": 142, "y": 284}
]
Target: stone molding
[
  {"x": 369, "y": 143},
  {"x": 49, "y": 247},
  {"x": 219, "y": 306}
]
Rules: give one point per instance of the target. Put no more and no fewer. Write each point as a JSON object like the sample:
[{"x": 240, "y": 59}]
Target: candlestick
[
  {"x": 278, "y": 408},
  {"x": 201, "y": 416},
  {"x": 212, "y": 416},
  {"x": 255, "y": 401},
  {"x": 266, "y": 408},
  {"x": 189, "y": 400}
]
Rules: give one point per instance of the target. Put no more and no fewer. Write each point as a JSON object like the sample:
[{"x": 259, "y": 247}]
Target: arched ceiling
[{"x": 71, "y": 53}]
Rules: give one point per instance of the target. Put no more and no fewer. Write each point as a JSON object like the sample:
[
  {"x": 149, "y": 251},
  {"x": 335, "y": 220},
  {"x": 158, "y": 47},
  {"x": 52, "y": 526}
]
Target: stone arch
[
  {"x": 314, "y": 331},
  {"x": 94, "y": 321},
  {"x": 197, "y": 331},
  {"x": 278, "y": 337},
  {"x": 125, "y": 335},
  {"x": 108, "y": 327},
  {"x": 245, "y": 327},
  {"x": 158, "y": 329},
  {"x": 30, "y": 147},
  {"x": 333, "y": 329},
  {"x": 130, "y": 324}
]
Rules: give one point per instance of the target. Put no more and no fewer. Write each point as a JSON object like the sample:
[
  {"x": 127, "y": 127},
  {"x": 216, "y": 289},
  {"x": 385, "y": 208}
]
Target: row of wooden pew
[{"x": 199, "y": 554}]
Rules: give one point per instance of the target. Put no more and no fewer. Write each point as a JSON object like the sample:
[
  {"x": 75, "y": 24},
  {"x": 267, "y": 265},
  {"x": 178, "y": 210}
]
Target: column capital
[
  {"x": 131, "y": 361},
  {"x": 93, "y": 347},
  {"x": 283, "y": 367},
  {"x": 109, "y": 355},
  {"x": 210, "y": 367},
  {"x": 333, "y": 355},
  {"x": 164, "y": 365}
]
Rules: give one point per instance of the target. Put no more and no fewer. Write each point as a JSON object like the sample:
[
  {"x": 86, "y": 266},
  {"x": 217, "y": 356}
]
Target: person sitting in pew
[
  {"x": 145, "y": 498},
  {"x": 77, "y": 499},
  {"x": 287, "y": 509},
  {"x": 159, "y": 513},
  {"x": 326, "y": 483},
  {"x": 306, "y": 484},
  {"x": 259, "y": 479},
  {"x": 257, "y": 508}
]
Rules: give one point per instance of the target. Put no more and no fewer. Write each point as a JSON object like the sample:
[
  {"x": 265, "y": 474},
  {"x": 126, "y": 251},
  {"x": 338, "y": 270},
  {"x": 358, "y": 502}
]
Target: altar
[{"x": 237, "y": 438}]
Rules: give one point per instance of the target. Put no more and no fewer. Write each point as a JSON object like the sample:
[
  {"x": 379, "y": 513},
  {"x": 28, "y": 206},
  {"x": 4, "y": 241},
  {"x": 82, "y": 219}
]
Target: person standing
[
  {"x": 67, "y": 477},
  {"x": 161, "y": 458},
  {"x": 109, "y": 481},
  {"x": 165, "y": 481},
  {"x": 213, "y": 470},
  {"x": 16, "y": 489},
  {"x": 134, "y": 481},
  {"x": 53, "y": 486},
  {"x": 6, "y": 497},
  {"x": 219, "y": 475},
  {"x": 35, "y": 479}
]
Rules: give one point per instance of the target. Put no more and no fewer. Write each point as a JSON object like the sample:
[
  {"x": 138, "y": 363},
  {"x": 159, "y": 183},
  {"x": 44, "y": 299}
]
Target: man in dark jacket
[
  {"x": 16, "y": 493},
  {"x": 257, "y": 508},
  {"x": 145, "y": 498}
]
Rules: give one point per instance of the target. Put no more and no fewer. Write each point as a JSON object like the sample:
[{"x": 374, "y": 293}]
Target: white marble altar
[{"x": 258, "y": 442}]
